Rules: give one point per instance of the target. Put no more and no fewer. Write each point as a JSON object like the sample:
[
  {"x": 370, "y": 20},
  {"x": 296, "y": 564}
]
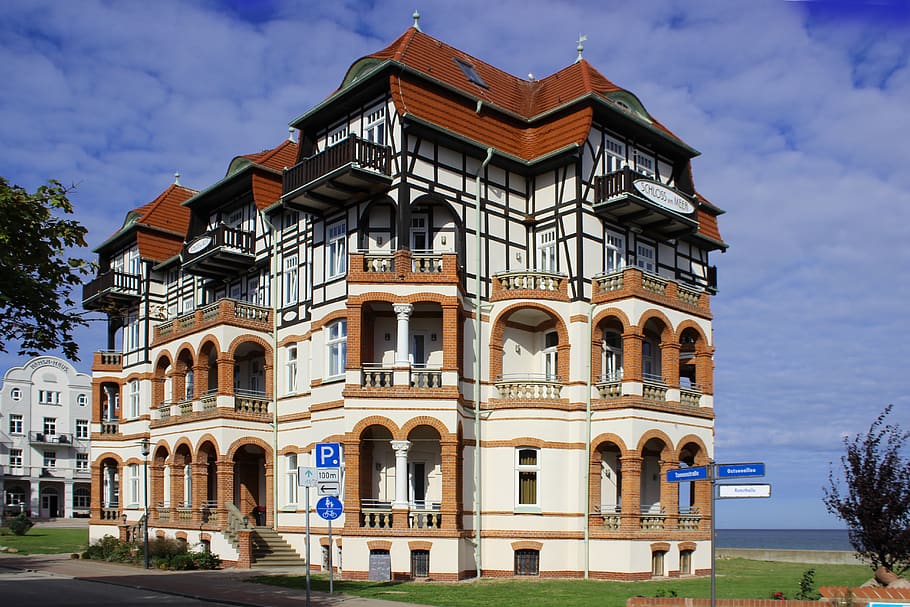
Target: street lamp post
[{"x": 144, "y": 446}]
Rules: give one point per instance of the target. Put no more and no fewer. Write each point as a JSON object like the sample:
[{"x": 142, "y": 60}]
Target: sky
[{"x": 801, "y": 112}]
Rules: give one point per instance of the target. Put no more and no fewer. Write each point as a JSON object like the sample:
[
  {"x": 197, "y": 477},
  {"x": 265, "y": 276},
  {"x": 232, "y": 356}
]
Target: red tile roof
[
  {"x": 160, "y": 225},
  {"x": 166, "y": 211},
  {"x": 282, "y": 156}
]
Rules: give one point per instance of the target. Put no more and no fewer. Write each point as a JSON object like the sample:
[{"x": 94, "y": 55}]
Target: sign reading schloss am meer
[{"x": 663, "y": 196}]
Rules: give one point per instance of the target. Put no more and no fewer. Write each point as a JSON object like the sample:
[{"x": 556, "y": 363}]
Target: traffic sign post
[
  {"x": 306, "y": 477},
  {"x": 329, "y": 508},
  {"x": 328, "y": 455}
]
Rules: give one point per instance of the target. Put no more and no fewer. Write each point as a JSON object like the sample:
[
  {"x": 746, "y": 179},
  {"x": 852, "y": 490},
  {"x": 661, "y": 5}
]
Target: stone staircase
[{"x": 271, "y": 550}]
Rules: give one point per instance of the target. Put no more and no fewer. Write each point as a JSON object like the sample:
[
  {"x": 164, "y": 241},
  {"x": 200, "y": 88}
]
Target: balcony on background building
[
  {"x": 350, "y": 170},
  {"x": 220, "y": 253},
  {"x": 111, "y": 289},
  {"x": 635, "y": 282},
  {"x": 636, "y": 200},
  {"x": 46, "y": 438}
]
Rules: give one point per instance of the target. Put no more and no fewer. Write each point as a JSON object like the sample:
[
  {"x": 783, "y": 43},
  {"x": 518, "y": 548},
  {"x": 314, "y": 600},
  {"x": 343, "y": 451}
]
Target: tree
[
  {"x": 36, "y": 273},
  {"x": 874, "y": 499}
]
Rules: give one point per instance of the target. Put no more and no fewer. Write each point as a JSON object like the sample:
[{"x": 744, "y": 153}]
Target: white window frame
[
  {"x": 290, "y": 369},
  {"x": 615, "y": 154},
  {"x": 82, "y": 461},
  {"x": 612, "y": 357},
  {"x": 645, "y": 163},
  {"x": 551, "y": 356},
  {"x": 133, "y": 476},
  {"x": 291, "y": 478},
  {"x": 289, "y": 280},
  {"x": 419, "y": 227},
  {"x": 15, "y": 394},
  {"x": 82, "y": 400},
  {"x": 49, "y": 460},
  {"x": 82, "y": 428},
  {"x": 15, "y": 423},
  {"x": 374, "y": 126},
  {"x": 15, "y": 458},
  {"x": 131, "y": 334},
  {"x": 521, "y": 469},
  {"x": 646, "y": 257},
  {"x": 50, "y": 426},
  {"x": 336, "y": 341},
  {"x": 337, "y": 135},
  {"x": 48, "y": 397},
  {"x": 547, "y": 259},
  {"x": 133, "y": 397},
  {"x": 615, "y": 251},
  {"x": 336, "y": 249},
  {"x": 82, "y": 497}
]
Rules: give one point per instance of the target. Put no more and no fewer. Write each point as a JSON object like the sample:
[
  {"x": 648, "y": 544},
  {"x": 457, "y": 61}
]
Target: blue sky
[{"x": 801, "y": 111}]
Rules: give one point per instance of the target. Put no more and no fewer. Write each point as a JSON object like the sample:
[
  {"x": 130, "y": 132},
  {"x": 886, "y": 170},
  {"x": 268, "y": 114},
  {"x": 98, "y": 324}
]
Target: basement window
[{"x": 470, "y": 73}]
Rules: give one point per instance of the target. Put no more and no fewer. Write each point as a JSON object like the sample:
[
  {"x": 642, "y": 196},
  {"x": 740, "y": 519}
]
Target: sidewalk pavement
[{"x": 223, "y": 586}]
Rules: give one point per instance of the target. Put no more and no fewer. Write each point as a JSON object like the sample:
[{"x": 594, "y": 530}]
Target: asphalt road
[{"x": 30, "y": 588}]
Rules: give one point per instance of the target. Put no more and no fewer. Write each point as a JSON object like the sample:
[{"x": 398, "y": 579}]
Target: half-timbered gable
[{"x": 493, "y": 292}]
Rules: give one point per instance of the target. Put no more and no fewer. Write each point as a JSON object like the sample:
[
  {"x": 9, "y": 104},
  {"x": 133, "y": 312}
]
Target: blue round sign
[{"x": 329, "y": 507}]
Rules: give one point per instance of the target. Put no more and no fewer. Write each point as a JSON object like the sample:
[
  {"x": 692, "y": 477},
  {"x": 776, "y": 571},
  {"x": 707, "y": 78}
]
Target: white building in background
[{"x": 44, "y": 439}]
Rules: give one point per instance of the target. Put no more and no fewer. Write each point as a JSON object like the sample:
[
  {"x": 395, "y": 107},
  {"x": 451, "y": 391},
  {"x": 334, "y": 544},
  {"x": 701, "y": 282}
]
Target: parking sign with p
[{"x": 328, "y": 455}]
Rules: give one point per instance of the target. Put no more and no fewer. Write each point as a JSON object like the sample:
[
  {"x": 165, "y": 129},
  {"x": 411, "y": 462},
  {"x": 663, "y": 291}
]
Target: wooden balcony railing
[{"x": 352, "y": 150}]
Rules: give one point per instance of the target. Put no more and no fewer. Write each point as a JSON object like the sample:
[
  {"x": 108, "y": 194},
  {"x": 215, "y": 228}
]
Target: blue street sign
[
  {"x": 739, "y": 470},
  {"x": 679, "y": 475},
  {"x": 328, "y": 455},
  {"x": 329, "y": 507}
]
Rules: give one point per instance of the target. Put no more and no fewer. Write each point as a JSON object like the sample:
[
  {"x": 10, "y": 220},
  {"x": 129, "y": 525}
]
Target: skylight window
[{"x": 470, "y": 73}]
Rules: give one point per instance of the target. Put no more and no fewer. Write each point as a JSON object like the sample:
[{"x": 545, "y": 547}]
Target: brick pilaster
[{"x": 631, "y": 490}]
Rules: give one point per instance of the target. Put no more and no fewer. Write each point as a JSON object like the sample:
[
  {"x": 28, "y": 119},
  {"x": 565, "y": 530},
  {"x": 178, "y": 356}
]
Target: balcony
[
  {"x": 529, "y": 284},
  {"x": 112, "y": 289},
  {"x": 222, "y": 312},
  {"x": 110, "y": 426},
  {"x": 378, "y": 376},
  {"x": 46, "y": 438},
  {"x": 220, "y": 253},
  {"x": 351, "y": 170},
  {"x": 634, "y": 199},
  {"x": 423, "y": 267},
  {"x": 107, "y": 361},
  {"x": 634, "y": 282},
  {"x": 529, "y": 386}
]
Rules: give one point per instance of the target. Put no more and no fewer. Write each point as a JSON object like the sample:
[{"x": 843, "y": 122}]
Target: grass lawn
[
  {"x": 736, "y": 578},
  {"x": 46, "y": 540}
]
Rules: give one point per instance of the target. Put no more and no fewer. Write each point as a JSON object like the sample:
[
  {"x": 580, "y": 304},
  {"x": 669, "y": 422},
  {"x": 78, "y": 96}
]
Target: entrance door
[{"x": 49, "y": 503}]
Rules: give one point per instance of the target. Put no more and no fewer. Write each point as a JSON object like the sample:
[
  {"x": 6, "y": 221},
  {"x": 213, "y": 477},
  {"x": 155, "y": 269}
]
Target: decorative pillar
[
  {"x": 669, "y": 492},
  {"x": 225, "y": 363},
  {"x": 224, "y": 471},
  {"x": 401, "y": 448},
  {"x": 704, "y": 371},
  {"x": 156, "y": 490},
  {"x": 450, "y": 341},
  {"x": 631, "y": 356},
  {"x": 97, "y": 492},
  {"x": 669, "y": 363},
  {"x": 244, "y": 548},
  {"x": 631, "y": 491},
  {"x": 199, "y": 489},
  {"x": 450, "y": 507},
  {"x": 352, "y": 493},
  {"x": 403, "y": 314},
  {"x": 200, "y": 381}
]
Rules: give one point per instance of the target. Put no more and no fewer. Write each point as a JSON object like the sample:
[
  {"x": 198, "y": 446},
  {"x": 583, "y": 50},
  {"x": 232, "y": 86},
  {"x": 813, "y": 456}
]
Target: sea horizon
[{"x": 784, "y": 539}]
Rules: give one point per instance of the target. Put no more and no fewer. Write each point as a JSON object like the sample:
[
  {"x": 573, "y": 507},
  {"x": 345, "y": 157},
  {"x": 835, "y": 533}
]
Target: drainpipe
[
  {"x": 273, "y": 295},
  {"x": 586, "y": 462},
  {"x": 477, "y": 350}
]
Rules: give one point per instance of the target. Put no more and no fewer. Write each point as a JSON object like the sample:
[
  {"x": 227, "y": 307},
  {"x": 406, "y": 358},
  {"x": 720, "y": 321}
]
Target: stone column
[
  {"x": 669, "y": 363},
  {"x": 450, "y": 508},
  {"x": 631, "y": 357},
  {"x": 352, "y": 489},
  {"x": 224, "y": 471},
  {"x": 199, "y": 489},
  {"x": 669, "y": 492},
  {"x": 401, "y": 448},
  {"x": 67, "y": 498},
  {"x": 403, "y": 314}
]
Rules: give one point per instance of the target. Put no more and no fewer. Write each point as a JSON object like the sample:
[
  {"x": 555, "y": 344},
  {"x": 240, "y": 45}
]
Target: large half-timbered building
[{"x": 493, "y": 292}]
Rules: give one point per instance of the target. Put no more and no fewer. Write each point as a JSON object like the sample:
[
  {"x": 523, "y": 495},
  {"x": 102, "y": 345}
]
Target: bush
[
  {"x": 20, "y": 524},
  {"x": 163, "y": 554},
  {"x": 807, "y": 590},
  {"x": 111, "y": 549},
  {"x": 206, "y": 559}
]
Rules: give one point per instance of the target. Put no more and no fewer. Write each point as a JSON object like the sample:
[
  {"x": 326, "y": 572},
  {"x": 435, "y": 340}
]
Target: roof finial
[
  {"x": 291, "y": 134},
  {"x": 416, "y": 17},
  {"x": 580, "y": 48},
  {"x": 177, "y": 178}
]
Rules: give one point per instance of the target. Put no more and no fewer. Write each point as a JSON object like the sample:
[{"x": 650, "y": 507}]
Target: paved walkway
[{"x": 224, "y": 586}]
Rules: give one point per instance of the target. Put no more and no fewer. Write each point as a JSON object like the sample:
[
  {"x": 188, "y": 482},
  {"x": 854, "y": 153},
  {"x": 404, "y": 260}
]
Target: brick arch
[
  {"x": 375, "y": 420},
  {"x": 162, "y": 443},
  {"x": 134, "y": 461},
  {"x": 695, "y": 440},
  {"x": 654, "y": 433},
  {"x": 291, "y": 450},
  {"x": 248, "y": 338},
  {"x": 108, "y": 455},
  {"x": 207, "y": 438},
  {"x": 527, "y": 545},
  {"x": 686, "y": 546},
  {"x": 375, "y": 544},
  {"x": 667, "y": 335},
  {"x": 250, "y": 440},
  {"x": 608, "y": 437},
  {"x": 528, "y": 441},
  {"x": 183, "y": 442},
  {"x": 615, "y": 313},
  {"x": 210, "y": 340},
  {"x": 185, "y": 346},
  {"x": 499, "y": 329},
  {"x": 424, "y": 420},
  {"x": 333, "y": 438},
  {"x": 163, "y": 356},
  {"x": 660, "y": 547},
  {"x": 393, "y": 298},
  {"x": 331, "y": 317},
  {"x": 702, "y": 345}
]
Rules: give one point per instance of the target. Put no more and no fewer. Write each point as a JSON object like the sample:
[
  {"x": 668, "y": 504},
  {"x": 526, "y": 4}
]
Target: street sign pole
[
  {"x": 307, "y": 489},
  {"x": 711, "y": 477},
  {"x": 331, "y": 546}
]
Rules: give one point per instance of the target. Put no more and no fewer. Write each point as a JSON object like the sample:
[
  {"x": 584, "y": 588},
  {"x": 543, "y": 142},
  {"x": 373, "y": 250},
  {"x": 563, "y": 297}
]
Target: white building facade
[
  {"x": 46, "y": 416},
  {"x": 493, "y": 292}
]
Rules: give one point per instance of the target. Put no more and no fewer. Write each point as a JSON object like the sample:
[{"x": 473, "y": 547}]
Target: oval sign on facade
[
  {"x": 199, "y": 244},
  {"x": 663, "y": 196}
]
